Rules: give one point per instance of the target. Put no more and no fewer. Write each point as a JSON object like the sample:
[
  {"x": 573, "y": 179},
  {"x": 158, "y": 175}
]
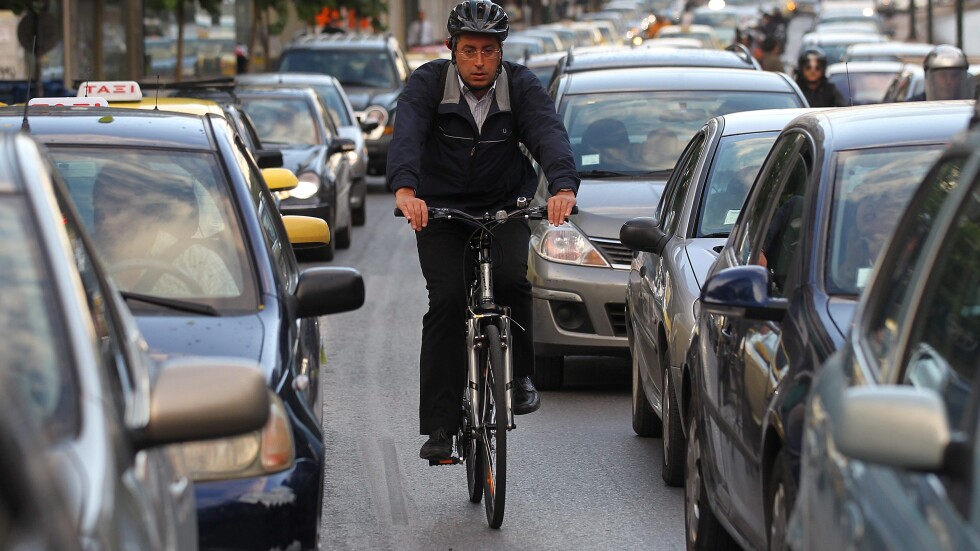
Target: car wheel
[
  {"x": 672, "y": 470},
  {"x": 645, "y": 422},
  {"x": 780, "y": 495},
  {"x": 549, "y": 372},
  {"x": 702, "y": 529},
  {"x": 344, "y": 235},
  {"x": 359, "y": 214}
]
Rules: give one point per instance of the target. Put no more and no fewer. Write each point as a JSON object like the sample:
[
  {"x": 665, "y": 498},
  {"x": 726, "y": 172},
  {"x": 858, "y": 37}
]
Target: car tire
[
  {"x": 702, "y": 531},
  {"x": 645, "y": 421},
  {"x": 672, "y": 470},
  {"x": 359, "y": 215},
  {"x": 549, "y": 372},
  {"x": 344, "y": 235},
  {"x": 780, "y": 496}
]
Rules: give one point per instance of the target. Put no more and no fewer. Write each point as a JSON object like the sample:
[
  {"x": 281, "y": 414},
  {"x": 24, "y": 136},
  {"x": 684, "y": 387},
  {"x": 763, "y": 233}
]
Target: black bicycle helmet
[{"x": 478, "y": 16}]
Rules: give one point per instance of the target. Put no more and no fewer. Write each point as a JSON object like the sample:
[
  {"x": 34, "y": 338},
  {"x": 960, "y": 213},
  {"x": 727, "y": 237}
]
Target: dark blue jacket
[{"x": 438, "y": 151}]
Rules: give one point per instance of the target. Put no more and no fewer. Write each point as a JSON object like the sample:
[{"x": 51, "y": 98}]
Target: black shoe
[
  {"x": 526, "y": 399},
  {"x": 438, "y": 446}
]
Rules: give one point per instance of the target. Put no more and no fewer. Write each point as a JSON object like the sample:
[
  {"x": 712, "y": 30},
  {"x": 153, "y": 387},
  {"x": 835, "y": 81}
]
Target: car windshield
[
  {"x": 163, "y": 223},
  {"x": 280, "y": 120},
  {"x": 638, "y": 133},
  {"x": 733, "y": 170},
  {"x": 871, "y": 190},
  {"x": 862, "y": 88},
  {"x": 33, "y": 364},
  {"x": 356, "y": 68}
]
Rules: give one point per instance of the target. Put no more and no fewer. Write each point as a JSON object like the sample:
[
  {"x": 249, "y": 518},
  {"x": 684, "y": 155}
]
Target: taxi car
[
  {"x": 80, "y": 374},
  {"x": 192, "y": 236},
  {"x": 779, "y": 299},
  {"x": 673, "y": 251},
  {"x": 892, "y": 419},
  {"x": 626, "y": 127}
]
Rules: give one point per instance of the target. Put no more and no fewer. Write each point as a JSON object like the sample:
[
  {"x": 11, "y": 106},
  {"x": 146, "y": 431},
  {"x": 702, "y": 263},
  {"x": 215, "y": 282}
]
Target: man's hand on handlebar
[
  {"x": 560, "y": 206},
  {"x": 414, "y": 209}
]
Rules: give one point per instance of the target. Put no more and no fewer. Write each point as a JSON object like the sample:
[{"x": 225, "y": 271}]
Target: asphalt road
[{"x": 578, "y": 477}]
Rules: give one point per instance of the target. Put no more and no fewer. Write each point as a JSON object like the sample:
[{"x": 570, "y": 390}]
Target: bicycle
[{"x": 481, "y": 443}]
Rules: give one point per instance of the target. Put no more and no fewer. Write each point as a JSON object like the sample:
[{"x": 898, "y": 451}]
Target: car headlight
[
  {"x": 309, "y": 184},
  {"x": 566, "y": 244},
  {"x": 257, "y": 453},
  {"x": 380, "y": 114}
]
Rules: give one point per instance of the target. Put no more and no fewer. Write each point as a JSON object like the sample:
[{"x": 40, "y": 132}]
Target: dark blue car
[
  {"x": 779, "y": 300},
  {"x": 189, "y": 232}
]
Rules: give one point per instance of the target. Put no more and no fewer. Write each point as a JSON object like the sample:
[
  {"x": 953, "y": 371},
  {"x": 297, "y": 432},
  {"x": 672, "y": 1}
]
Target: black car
[
  {"x": 190, "y": 233},
  {"x": 893, "y": 416},
  {"x": 373, "y": 70},
  {"x": 779, "y": 299},
  {"x": 295, "y": 122}
]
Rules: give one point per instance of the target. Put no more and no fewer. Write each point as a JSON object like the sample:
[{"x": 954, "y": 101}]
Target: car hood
[
  {"x": 302, "y": 159},
  {"x": 702, "y": 253},
  {"x": 177, "y": 336},
  {"x": 361, "y": 98},
  {"x": 604, "y": 205},
  {"x": 841, "y": 311}
]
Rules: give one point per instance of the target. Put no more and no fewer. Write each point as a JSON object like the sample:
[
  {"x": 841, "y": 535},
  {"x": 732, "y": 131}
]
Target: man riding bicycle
[{"x": 456, "y": 145}]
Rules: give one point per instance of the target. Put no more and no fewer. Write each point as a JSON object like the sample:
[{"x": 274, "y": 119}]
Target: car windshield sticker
[
  {"x": 731, "y": 217},
  {"x": 77, "y": 169},
  {"x": 862, "y": 277},
  {"x": 590, "y": 159}
]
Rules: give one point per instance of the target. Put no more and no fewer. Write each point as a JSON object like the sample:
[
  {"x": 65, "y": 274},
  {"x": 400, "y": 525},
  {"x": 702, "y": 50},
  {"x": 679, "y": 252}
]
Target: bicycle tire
[
  {"x": 494, "y": 433},
  {"x": 469, "y": 450}
]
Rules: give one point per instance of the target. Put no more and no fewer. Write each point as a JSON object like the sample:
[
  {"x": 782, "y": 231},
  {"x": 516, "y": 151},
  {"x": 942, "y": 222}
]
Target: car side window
[
  {"x": 757, "y": 207},
  {"x": 781, "y": 235},
  {"x": 674, "y": 205},
  {"x": 890, "y": 304},
  {"x": 944, "y": 340}
]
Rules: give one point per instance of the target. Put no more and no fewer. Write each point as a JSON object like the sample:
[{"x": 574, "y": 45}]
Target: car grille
[
  {"x": 617, "y": 317},
  {"x": 615, "y": 252}
]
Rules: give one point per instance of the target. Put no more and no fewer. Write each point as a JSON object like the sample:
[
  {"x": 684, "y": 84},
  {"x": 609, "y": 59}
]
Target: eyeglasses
[{"x": 470, "y": 54}]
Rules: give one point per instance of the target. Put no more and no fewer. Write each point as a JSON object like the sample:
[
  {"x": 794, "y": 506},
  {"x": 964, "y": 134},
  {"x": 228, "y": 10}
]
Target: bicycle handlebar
[{"x": 532, "y": 213}]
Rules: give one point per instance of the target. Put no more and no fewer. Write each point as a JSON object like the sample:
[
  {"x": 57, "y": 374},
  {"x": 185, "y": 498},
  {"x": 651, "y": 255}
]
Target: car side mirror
[
  {"x": 899, "y": 426},
  {"x": 268, "y": 158},
  {"x": 204, "y": 398},
  {"x": 306, "y": 232},
  {"x": 368, "y": 125},
  {"x": 742, "y": 291},
  {"x": 644, "y": 234},
  {"x": 326, "y": 290},
  {"x": 341, "y": 145},
  {"x": 279, "y": 179}
]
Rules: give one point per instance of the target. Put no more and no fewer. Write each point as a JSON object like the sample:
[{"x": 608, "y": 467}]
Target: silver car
[
  {"x": 674, "y": 251},
  {"x": 627, "y": 127},
  {"x": 74, "y": 358}
]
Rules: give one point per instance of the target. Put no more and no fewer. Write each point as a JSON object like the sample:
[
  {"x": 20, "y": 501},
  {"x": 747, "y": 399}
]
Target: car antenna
[
  {"x": 156, "y": 101},
  {"x": 850, "y": 92},
  {"x": 26, "y": 126}
]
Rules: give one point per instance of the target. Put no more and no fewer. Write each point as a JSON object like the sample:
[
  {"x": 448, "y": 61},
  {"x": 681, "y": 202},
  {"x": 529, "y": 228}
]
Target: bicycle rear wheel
[{"x": 494, "y": 433}]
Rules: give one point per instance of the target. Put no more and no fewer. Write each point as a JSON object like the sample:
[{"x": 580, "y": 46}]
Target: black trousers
[{"x": 446, "y": 266}]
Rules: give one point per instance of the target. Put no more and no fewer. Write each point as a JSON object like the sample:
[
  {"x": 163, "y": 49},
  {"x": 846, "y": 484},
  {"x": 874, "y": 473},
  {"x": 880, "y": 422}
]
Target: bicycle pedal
[{"x": 450, "y": 461}]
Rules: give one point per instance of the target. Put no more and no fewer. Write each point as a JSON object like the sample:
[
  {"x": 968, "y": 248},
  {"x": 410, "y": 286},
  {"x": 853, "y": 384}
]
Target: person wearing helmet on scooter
[
  {"x": 947, "y": 75},
  {"x": 811, "y": 76},
  {"x": 457, "y": 144}
]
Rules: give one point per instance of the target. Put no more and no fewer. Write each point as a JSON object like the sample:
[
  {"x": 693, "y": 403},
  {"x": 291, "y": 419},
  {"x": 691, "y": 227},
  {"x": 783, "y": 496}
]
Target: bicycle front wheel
[{"x": 494, "y": 432}]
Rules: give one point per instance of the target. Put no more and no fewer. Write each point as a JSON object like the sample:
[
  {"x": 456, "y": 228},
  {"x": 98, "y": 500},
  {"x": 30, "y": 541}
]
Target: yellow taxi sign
[
  {"x": 111, "y": 90},
  {"x": 92, "y": 101}
]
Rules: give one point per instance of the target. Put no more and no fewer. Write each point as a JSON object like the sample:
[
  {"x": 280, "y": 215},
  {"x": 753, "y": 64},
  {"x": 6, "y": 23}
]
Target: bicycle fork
[{"x": 473, "y": 345}]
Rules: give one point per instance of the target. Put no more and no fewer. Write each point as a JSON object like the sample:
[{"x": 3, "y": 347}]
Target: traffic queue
[{"x": 796, "y": 288}]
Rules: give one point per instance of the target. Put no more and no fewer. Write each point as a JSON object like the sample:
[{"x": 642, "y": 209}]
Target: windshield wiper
[
  {"x": 716, "y": 234},
  {"x": 173, "y": 303},
  {"x": 665, "y": 172},
  {"x": 601, "y": 174}
]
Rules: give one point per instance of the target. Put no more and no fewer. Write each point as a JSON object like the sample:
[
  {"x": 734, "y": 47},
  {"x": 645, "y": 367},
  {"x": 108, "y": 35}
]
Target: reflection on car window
[
  {"x": 335, "y": 106},
  {"x": 785, "y": 228},
  {"x": 733, "y": 170},
  {"x": 163, "y": 223},
  {"x": 945, "y": 336},
  {"x": 353, "y": 68},
  {"x": 643, "y": 132},
  {"x": 282, "y": 120},
  {"x": 673, "y": 213},
  {"x": 871, "y": 190},
  {"x": 32, "y": 365},
  {"x": 883, "y": 318}
]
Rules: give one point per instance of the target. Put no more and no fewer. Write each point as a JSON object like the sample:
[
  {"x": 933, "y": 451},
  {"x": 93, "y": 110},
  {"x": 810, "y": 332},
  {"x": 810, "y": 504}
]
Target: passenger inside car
[
  {"x": 605, "y": 146},
  {"x": 150, "y": 233},
  {"x": 660, "y": 150}
]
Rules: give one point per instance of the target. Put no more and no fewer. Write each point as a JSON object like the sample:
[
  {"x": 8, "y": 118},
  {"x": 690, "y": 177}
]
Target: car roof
[
  {"x": 816, "y": 39},
  {"x": 890, "y": 46},
  {"x": 677, "y": 78},
  {"x": 112, "y": 126},
  {"x": 336, "y": 41},
  {"x": 866, "y": 126},
  {"x": 767, "y": 120},
  {"x": 190, "y": 106},
  {"x": 865, "y": 67},
  {"x": 655, "y": 57},
  {"x": 672, "y": 29},
  {"x": 287, "y": 78}
]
